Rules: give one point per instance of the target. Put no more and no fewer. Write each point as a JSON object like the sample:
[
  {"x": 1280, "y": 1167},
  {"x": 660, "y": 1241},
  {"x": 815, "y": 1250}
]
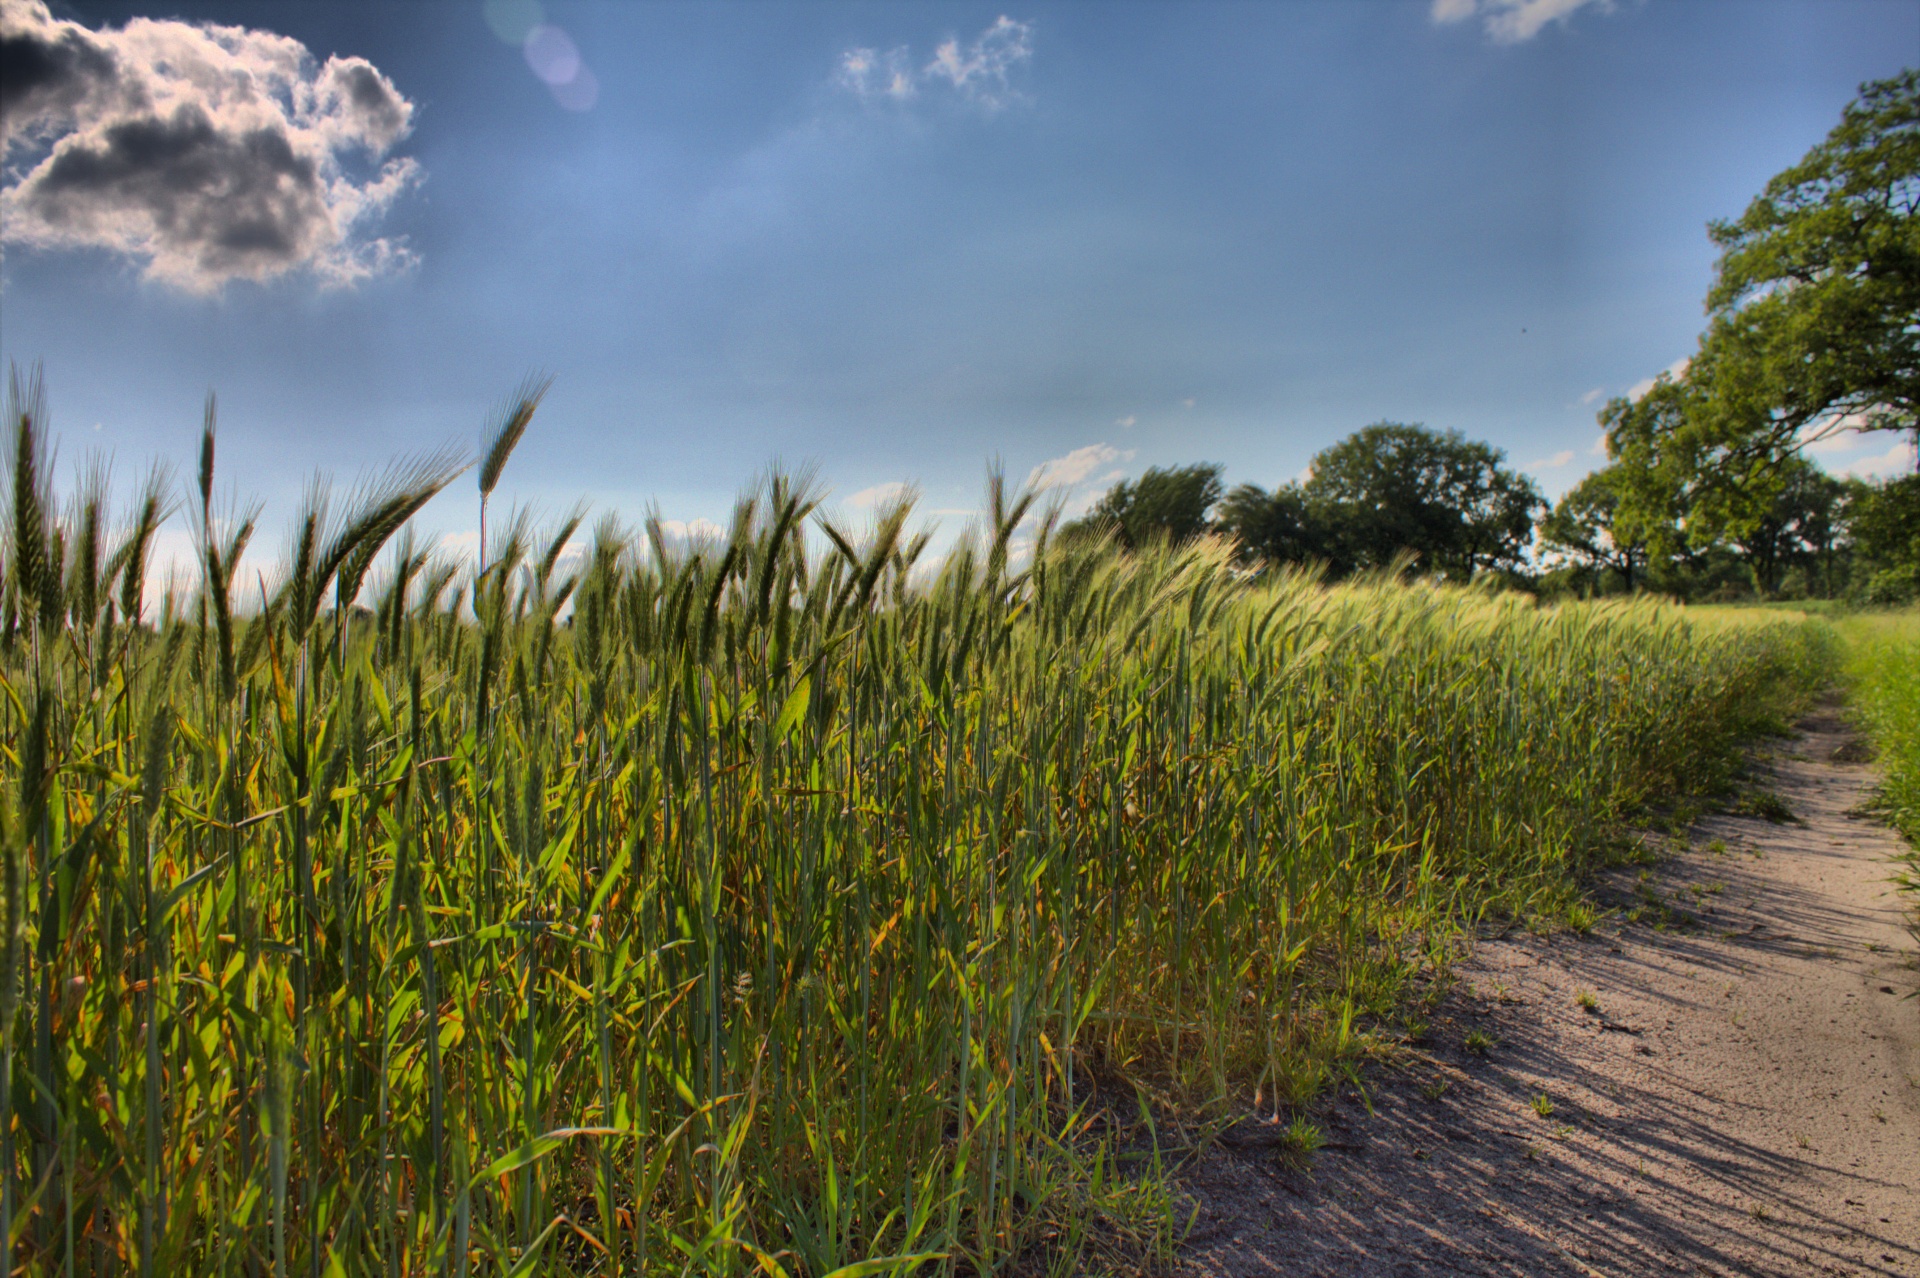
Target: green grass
[
  {"x": 769, "y": 905},
  {"x": 1883, "y": 673}
]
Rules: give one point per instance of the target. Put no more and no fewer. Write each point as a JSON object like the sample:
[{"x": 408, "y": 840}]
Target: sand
[{"x": 1742, "y": 1097}]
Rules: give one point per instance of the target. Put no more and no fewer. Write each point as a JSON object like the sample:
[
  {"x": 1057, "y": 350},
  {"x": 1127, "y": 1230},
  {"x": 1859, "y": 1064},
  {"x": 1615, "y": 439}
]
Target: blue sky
[{"x": 899, "y": 240}]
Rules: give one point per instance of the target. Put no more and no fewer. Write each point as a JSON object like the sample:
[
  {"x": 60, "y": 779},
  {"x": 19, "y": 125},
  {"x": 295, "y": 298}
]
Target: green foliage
[
  {"x": 1884, "y": 523},
  {"x": 1811, "y": 331},
  {"x": 1277, "y": 527},
  {"x": 1818, "y": 283},
  {"x": 1883, "y": 671},
  {"x": 1388, "y": 495},
  {"x": 1584, "y": 527},
  {"x": 1393, "y": 489},
  {"x": 1169, "y": 505},
  {"x": 779, "y": 907}
]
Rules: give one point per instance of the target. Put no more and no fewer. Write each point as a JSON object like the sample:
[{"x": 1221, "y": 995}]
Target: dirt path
[{"x": 1743, "y": 1098}]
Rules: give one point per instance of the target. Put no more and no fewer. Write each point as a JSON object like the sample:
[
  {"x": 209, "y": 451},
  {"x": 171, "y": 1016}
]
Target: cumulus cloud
[
  {"x": 1513, "y": 21},
  {"x": 1076, "y": 467},
  {"x": 207, "y": 153},
  {"x": 1898, "y": 460},
  {"x": 980, "y": 71},
  {"x": 878, "y": 495},
  {"x": 692, "y": 529}
]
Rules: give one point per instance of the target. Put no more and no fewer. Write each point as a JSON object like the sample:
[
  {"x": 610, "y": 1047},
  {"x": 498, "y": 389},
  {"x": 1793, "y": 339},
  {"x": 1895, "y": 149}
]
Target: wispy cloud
[
  {"x": 1594, "y": 396},
  {"x": 1559, "y": 459},
  {"x": 871, "y": 75},
  {"x": 1599, "y": 448},
  {"x": 1514, "y": 21},
  {"x": 980, "y": 72},
  {"x": 207, "y": 153},
  {"x": 1674, "y": 371}
]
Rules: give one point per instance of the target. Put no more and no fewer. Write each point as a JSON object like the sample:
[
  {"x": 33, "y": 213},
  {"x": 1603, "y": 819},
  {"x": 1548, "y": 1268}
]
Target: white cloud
[
  {"x": 1077, "y": 467},
  {"x": 1848, "y": 453},
  {"x": 1126, "y": 422},
  {"x": 1898, "y": 460},
  {"x": 1841, "y": 442},
  {"x": 980, "y": 69},
  {"x": 1599, "y": 448},
  {"x": 1674, "y": 371},
  {"x": 1559, "y": 459},
  {"x": 1594, "y": 396},
  {"x": 692, "y": 529},
  {"x": 869, "y": 74},
  {"x": 207, "y": 153},
  {"x": 1513, "y": 21},
  {"x": 980, "y": 72},
  {"x": 878, "y": 495}
]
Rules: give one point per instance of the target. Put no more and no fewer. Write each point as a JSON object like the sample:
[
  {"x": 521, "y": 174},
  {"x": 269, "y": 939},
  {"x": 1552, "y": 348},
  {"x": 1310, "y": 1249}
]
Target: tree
[
  {"x": 1884, "y": 522},
  {"x": 1276, "y": 526},
  {"x": 1798, "y": 526},
  {"x": 1167, "y": 503},
  {"x": 1815, "y": 304},
  {"x": 1393, "y": 488},
  {"x": 1813, "y": 327},
  {"x": 1584, "y": 526}
]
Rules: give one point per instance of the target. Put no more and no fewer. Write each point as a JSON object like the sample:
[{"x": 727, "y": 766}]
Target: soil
[{"x": 1738, "y": 1092}]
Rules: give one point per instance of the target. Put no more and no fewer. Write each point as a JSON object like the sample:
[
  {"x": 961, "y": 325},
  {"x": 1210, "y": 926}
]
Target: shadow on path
[{"x": 1741, "y": 1097}]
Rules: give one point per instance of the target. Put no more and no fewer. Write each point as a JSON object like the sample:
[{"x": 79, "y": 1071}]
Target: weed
[
  {"x": 1542, "y": 1105},
  {"x": 1301, "y": 1140},
  {"x": 1477, "y": 1042},
  {"x": 1588, "y": 1001}
]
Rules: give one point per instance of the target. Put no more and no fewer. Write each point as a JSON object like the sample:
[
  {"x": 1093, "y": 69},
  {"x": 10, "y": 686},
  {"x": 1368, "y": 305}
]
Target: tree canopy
[
  {"x": 1813, "y": 327},
  {"x": 1393, "y": 488},
  {"x": 1815, "y": 304},
  {"x": 1167, "y": 503},
  {"x": 1584, "y": 527}
]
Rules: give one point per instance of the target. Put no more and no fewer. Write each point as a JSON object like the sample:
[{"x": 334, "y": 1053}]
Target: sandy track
[{"x": 1745, "y": 1100}]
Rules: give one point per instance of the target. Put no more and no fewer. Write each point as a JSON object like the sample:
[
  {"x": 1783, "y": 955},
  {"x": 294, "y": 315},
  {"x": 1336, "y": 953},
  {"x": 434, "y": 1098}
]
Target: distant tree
[
  {"x": 1167, "y": 503},
  {"x": 1883, "y": 522},
  {"x": 1584, "y": 527},
  {"x": 1393, "y": 488},
  {"x": 1276, "y": 526},
  {"x": 1798, "y": 526}
]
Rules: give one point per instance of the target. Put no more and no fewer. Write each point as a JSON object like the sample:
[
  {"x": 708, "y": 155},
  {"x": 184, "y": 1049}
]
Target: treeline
[
  {"x": 1813, "y": 331},
  {"x": 1440, "y": 504},
  {"x": 1389, "y": 493}
]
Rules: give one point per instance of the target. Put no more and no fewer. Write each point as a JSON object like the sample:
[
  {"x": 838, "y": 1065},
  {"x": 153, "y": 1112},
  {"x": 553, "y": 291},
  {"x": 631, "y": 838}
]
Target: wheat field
[{"x": 783, "y": 903}]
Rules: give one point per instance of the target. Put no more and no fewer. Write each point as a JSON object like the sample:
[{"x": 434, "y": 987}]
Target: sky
[{"x": 891, "y": 242}]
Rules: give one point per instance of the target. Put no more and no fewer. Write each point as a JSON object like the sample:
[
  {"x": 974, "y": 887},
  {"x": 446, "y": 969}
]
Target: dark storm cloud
[
  {"x": 208, "y": 153},
  {"x": 42, "y": 77}
]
